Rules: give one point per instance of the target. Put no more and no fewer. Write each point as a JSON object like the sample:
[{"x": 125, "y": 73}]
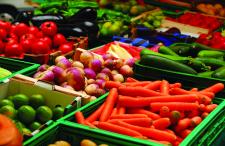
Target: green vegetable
[
  {"x": 198, "y": 65},
  {"x": 205, "y": 74},
  {"x": 219, "y": 73},
  {"x": 211, "y": 54},
  {"x": 181, "y": 50},
  {"x": 167, "y": 51},
  {"x": 164, "y": 63},
  {"x": 214, "y": 63},
  {"x": 180, "y": 59}
]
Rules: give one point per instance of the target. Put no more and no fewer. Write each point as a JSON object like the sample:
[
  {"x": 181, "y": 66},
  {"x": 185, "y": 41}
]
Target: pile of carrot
[{"x": 152, "y": 110}]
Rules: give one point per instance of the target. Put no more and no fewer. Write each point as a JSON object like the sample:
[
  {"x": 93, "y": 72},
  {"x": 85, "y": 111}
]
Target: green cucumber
[
  {"x": 167, "y": 51},
  {"x": 219, "y": 73},
  {"x": 198, "y": 65},
  {"x": 214, "y": 63},
  {"x": 165, "y": 63},
  {"x": 205, "y": 74},
  {"x": 181, "y": 50},
  {"x": 180, "y": 59},
  {"x": 211, "y": 54}
]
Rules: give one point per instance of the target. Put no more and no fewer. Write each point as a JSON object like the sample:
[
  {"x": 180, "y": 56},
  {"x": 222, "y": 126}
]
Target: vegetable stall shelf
[
  {"x": 17, "y": 67},
  {"x": 204, "y": 134}
]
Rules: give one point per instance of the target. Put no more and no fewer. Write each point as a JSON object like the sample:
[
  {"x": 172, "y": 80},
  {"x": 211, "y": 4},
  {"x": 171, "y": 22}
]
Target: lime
[
  {"x": 26, "y": 131},
  {"x": 34, "y": 126},
  {"x": 107, "y": 25},
  {"x": 6, "y": 102},
  {"x": 44, "y": 114},
  {"x": 156, "y": 23},
  {"x": 10, "y": 98},
  {"x": 8, "y": 111},
  {"x": 58, "y": 112},
  {"x": 36, "y": 100},
  {"x": 104, "y": 31},
  {"x": 26, "y": 114},
  {"x": 19, "y": 100},
  {"x": 114, "y": 29}
]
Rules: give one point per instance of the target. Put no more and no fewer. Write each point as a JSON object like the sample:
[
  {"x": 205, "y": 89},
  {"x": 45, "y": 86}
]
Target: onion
[
  {"x": 91, "y": 89},
  {"x": 100, "y": 83},
  {"x": 89, "y": 73},
  {"x": 96, "y": 65},
  {"x": 126, "y": 70},
  {"x": 43, "y": 67},
  {"x": 107, "y": 56},
  {"x": 57, "y": 59},
  {"x": 118, "y": 78},
  {"x": 114, "y": 72},
  {"x": 86, "y": 57},
  {"x": 90, "y": 81},
  {"x": 106, "y": 71},
  {"x": 102, "y": 76},
  {"x": 130, "y": 62},
  {"x": 75, "y": 79},
  {"x": 118, "y": 63},
  {"x": 64, "y": 63},
  {"x": 109, "y": 63},
  {"x": 78, "y": 64}
]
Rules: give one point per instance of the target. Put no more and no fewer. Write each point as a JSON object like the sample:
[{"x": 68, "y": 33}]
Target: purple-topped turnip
[
  {"x": 43, "y": 67},
  {"x": 96, "y": 65},
  {"x": 47, "y": 75},
  {"x": 75, "y": 79},
  {"x": 89, "y": 73},
  {"x": 64, "y": 63}
]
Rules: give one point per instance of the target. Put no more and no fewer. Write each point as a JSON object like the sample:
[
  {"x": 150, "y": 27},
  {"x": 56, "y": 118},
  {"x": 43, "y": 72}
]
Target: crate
[
  {"x": 17, "y": 67},
  {"x": 143, "y": 72},
  {"x": 205, "y": 130}
]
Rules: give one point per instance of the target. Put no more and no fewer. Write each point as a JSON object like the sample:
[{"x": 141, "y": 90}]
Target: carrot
[
  {"x": 145, "y": 101},
  {"x": 210, "y": 108},
  {"x": 134, "y": 84},
  {"x": 185, "y": 133},
  {"x": 109, "y": 104},
  {"x": 193, "y": 113},
  {"x": 161, "y": 123},
  {"x": 112, "y": 84},
  {"x": 89, "y": 124},
  {"x": 95, "y": 115},
  {"x": 196, "y": 121},
  {"x": 129, "y": 116},
  {"x": 174, "y": 106},
  {"x": 175, "y": 85},
  {"x": 209, "y": 94},
  {"x": 170, "y": 131},
  {"x": 95, "y": 123},
  {"x": 175, "y": 116},
  {"x": 164, "y": 87},
  {"x": 204, "y": 99},
  {"x": 121, "y": 110},
  {"x": 143, "y": 122},
  {"x": 151, "y": 115},
  {"x": 215, "y": 88},
  {"x": 150, "y": 132},
  {"x": 130, "y": 79},
  {"x": 79, "y": 117},
  {"x": 167, "y": 143},
  {"x": 204, "y": 115},
  {"x": 153, "y": 85},
  {"x": 114, "y": 112},
  {"x": 118, "y": 129},
  {"x": 194, "y": 90},
  {"x": 164, "y": 111},
  {"x": 183, "y": 124},
  {"x": 137, "y": 91}
]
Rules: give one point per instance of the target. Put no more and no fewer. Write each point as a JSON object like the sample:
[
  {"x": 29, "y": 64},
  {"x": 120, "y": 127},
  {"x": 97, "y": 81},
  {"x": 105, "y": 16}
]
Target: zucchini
[
  {"x": 180, "y": 59},
  {"x": 214, "y": 63},
  {"x": 198, "y": 65},
  {"x": 205, "y": 74},
  {"x": 167, "y": 51},
  {"x": 211, "y": 54},
  {"x": 219, "y": 73},
  {"x": 165, "y": 63},
  {"x": 181, "y": 50}
]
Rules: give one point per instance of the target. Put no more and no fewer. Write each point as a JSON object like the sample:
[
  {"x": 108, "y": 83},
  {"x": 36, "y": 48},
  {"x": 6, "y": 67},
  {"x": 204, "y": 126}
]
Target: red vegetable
[
  {"x": 161, "y": 123},
  {"x": 79, "y": 117}
]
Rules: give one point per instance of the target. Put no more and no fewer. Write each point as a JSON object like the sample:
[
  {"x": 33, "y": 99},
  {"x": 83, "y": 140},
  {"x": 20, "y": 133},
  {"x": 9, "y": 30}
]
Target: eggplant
[
  {"x": 72, "y": 30},
  {"x": 39, "y": 19},
  {"x": 87, "y": 13}
]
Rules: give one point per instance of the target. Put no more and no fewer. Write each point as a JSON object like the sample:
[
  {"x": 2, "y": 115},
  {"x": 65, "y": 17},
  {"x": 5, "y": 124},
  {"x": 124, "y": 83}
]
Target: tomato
[
  {"x": 40, "y": 34},
  {"x": 58, "y": 40},
  {"x": 12, "y": 50},
  {"x": 65, "y": 48},
  {"x": 2, "y": 47},
  {"x": 33, "y": 30},
  {"x": 13, "y": 29},
  {"x": 49, "y": 28},
  {"x": 40, "y": 47},
  {"x": 5, "y": 25},
  {"x": 10, "y": 41},
  {"x": 3, "y": 33},
  {"x": 47, "y": 40},
  {"x": 27, "y": 36},
  {"x": 27, "y": 45},
  {"x": 21, "y": 29}
]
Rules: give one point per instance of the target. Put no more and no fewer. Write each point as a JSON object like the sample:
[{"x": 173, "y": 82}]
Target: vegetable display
[
  {"x": 212, "y": 9},
  {"x": 152, "y": 110}
]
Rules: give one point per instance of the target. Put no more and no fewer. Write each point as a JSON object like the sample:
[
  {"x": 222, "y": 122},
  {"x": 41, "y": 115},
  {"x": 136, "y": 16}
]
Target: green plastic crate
[
  {"x": 208, "y": 130},
  {"x": 143, "y": 72},
  {"x": 173, "y": 14},
  {"x": 17, "y": 67}
]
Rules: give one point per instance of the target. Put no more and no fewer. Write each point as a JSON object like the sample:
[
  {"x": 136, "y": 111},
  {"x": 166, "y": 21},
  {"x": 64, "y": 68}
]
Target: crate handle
[{"x": 45, "y": 84}]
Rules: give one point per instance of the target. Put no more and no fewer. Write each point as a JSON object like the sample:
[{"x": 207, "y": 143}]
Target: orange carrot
[
  {"x": 112, "y": 84},
  {"x": 95, "y": 123},
  {"x": 89, "y": 124},
  {"x": 193, "y": 113},
  {"x": 185, "y": 133},
  {"x": 134, "y": 84},
  {"x": 175, "y": 85},
  {"x": 95, "y": 115},
  {"x": 137, "y": 91},
  {"x": 194, "y": 90},
  {"x": 143, "y": 122},
  {"x": 183, "y": 124},
  {"x": 150, "y": 132},
  {"x": 118, "y": 129},
  {"x": 210, "y": 108},
  {"x": 174, "y": 106},
  {"x": 114, "y": 112},
  {"x": 164, "y": 87},
  {"x": 196, "y": 121},
  {"x": 153, "y": 85},
  {"x": 145, "y": 101},
  {"x": 79, "y": 117},
  {"x": 204, "y": 115},
  {"x": 122, "y": 110},
  {"x": 109, "y": 104},
  {"x": 215, "y": 88},
  {"x": 164, "y": 111},
  {"x": 161, "y": 123},
  {"x": 151, "y": 115},
  {"x": 129, "y": 116},
  {"x": 130, "y": 79},
  {"x": 209, "y": 94}
]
